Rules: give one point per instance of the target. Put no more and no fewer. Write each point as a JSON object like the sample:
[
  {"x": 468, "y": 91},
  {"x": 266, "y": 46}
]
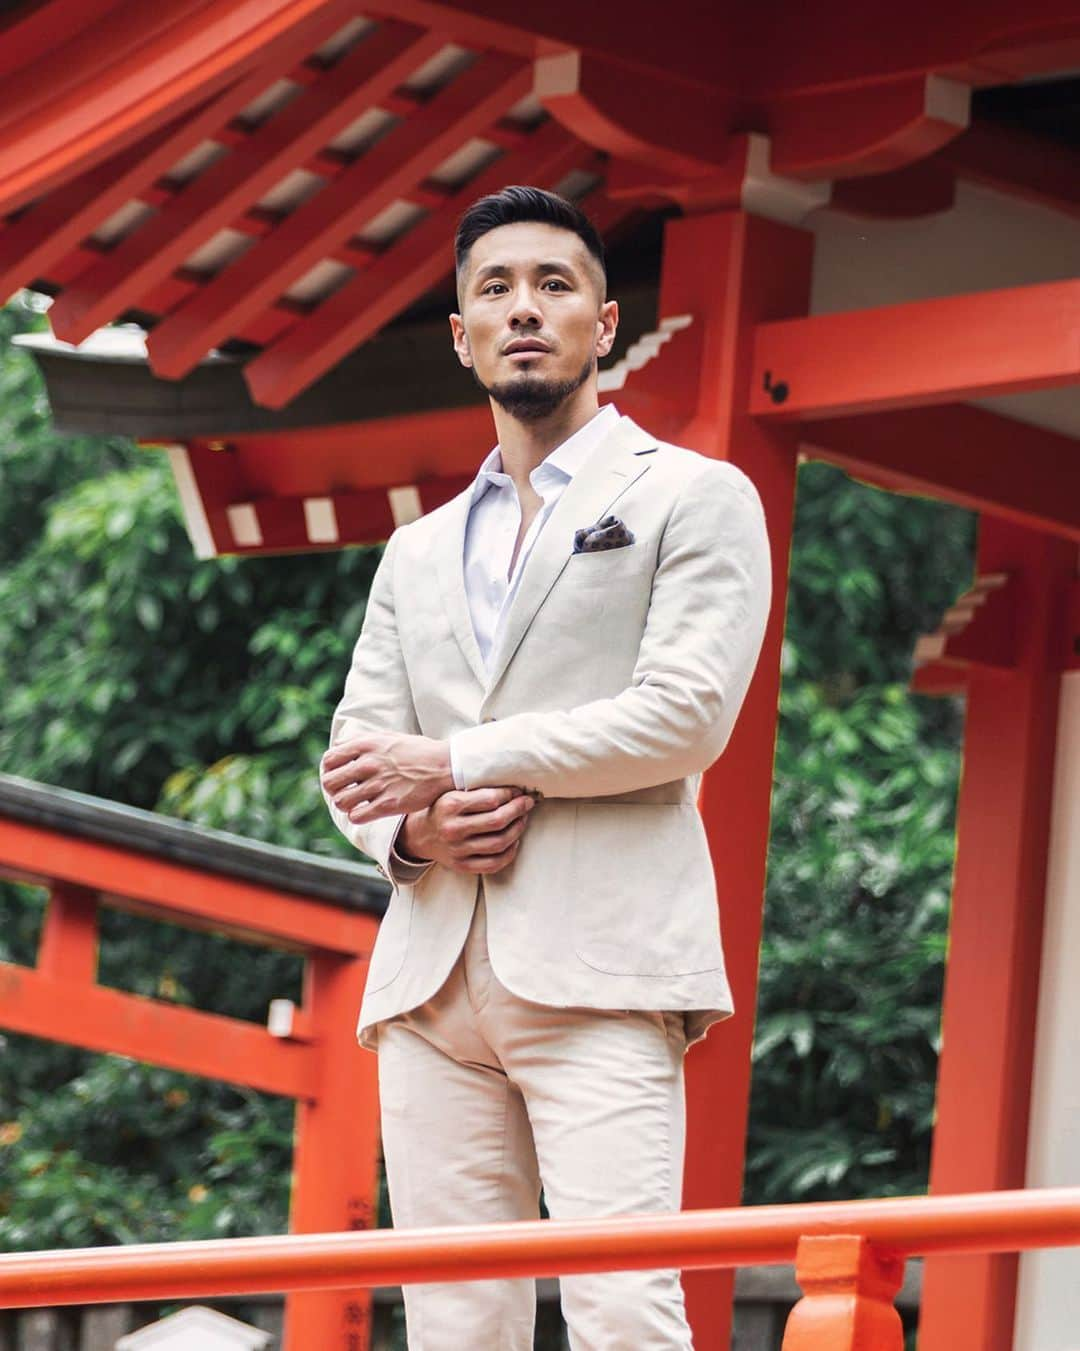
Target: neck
[{"x": 523, "y": 445}]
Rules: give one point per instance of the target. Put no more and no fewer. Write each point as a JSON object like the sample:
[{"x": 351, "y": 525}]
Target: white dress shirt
[
  {"x": 493, "y": 524},
  {"x": 490, "y": 532}
]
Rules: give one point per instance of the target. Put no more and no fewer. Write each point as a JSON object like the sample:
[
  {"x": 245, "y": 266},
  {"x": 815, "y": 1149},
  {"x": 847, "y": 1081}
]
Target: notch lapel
[
  {"x": 600, "y": 481},
  {"x": 449, "y": 563}
]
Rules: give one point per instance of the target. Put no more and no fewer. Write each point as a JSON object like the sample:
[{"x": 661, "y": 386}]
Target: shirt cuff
[
  {"x": 455, "y": 763},
  {"x": 405, "y": 871}
]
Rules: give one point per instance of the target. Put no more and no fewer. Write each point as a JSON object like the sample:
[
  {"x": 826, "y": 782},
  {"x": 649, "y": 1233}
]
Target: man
[{"x": 547, "y": 664}]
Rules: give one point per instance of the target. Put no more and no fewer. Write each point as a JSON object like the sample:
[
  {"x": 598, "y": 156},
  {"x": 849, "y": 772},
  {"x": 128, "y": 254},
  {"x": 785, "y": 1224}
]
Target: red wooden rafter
[
  {"x": 285, "y": 141},
  {"x": 115, "y": 82},
  {"x": 465, "y": 108},
  {"x": 48, "y": 230},
  {"x": 407, "y": 269}
]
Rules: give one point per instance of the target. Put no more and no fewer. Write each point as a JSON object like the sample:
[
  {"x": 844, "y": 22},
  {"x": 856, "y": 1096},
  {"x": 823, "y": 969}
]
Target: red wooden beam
[
  {"x": 658, "y": 120},
  {"x": 465, "y": 108},
  {"x": 50, "y": 228},
  {"x": 407, "y": 269},
  {"x": 185, "y": 895},
  {"x": 868, "y": 129},
  {"x": 977, "y": 459},
  {"x": 1032, "y": 168},
  {"x": 756, "y": 270},
  {"x": 926, "y": 352},
  {"x": 335, "y": 1188},
  {"x": 240, "y": 178},
  {"x": 67, "y": 949},
  {"x": 110, "y": 1021},
  {"x": 112, "y": 83},
  {"x": 995, "y": 929}
]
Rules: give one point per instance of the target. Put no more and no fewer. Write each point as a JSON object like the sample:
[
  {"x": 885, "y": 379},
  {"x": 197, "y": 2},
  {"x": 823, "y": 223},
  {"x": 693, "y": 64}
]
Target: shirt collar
[{"x": 562, "y": 462}]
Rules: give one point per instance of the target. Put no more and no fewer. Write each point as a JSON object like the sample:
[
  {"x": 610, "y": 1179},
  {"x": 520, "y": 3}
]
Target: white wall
[{"x": 1048, "y": 1309}]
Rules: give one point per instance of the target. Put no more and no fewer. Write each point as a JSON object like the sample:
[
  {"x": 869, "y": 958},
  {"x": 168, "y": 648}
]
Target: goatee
[{"x": 531, "y": 398}]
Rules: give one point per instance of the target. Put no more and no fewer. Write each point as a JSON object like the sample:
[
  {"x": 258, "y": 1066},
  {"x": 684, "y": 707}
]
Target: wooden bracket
[{"x": 979, "y": 630}]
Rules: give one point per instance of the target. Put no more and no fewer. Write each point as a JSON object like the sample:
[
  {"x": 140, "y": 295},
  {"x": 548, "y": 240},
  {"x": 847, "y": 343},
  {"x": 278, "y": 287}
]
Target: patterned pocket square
[{"x": 609, "y": 533}]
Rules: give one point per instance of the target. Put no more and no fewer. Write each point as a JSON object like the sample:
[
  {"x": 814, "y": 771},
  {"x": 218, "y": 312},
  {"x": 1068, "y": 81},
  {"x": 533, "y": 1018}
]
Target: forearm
[{"x": 646, "y": 735}]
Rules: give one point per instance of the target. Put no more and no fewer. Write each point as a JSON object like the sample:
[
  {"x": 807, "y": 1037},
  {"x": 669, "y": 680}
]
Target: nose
[{"x": 524, "y": 310}]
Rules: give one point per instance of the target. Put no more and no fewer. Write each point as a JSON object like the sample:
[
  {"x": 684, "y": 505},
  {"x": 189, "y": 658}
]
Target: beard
[{"x": 531, "y": 398}]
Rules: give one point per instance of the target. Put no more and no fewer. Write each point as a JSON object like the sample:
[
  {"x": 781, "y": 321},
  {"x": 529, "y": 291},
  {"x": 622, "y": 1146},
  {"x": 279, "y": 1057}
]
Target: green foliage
[
  {"x": 851, "y": 965},
  {"x": 204, "y": 689}
]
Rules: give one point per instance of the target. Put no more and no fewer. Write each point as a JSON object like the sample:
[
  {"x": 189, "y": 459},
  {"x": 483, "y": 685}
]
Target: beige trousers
[{"x": 486, "y": 1097}]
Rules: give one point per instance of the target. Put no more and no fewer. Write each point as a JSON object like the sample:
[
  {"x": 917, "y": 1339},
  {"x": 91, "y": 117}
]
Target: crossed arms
[{"x": 704, "y": 629}]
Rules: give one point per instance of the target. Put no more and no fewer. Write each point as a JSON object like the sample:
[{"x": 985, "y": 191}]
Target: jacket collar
[{"x": 609, "y": 470}]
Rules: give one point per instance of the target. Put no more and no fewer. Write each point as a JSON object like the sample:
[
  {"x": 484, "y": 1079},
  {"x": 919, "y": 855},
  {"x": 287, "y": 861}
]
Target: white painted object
[
  {"x": 196, "y": 1329},
  {"x": 1048, "y": 1299}
]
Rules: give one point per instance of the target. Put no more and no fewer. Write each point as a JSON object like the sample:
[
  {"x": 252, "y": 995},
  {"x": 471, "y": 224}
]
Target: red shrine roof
[{"x": 283, "y": 177}]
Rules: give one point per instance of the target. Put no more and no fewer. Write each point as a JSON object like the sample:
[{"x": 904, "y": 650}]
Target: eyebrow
[{"x": 498, "y": 269}]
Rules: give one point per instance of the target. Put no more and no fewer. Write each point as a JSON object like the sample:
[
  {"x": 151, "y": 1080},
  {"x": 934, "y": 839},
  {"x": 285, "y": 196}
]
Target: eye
[
  {"x": 493, "y": 288},
  {"x": 557, "y": 282}
]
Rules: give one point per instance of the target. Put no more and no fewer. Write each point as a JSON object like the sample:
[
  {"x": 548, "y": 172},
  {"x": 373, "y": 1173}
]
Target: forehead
[{"x": 527, "y": 244}]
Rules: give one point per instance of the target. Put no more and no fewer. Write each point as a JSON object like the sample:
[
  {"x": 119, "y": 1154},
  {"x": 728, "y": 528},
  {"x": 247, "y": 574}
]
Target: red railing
[{"x": 849, "y": 1256}]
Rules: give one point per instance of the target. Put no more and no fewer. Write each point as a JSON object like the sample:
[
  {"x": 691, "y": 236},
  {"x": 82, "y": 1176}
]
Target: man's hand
[
  {"x": 385, "y": 773},
  {"x": 475, "y": 831}
]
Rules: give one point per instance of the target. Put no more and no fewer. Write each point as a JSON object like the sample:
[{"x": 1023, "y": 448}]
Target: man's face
[{"x": 533, "y": 320}]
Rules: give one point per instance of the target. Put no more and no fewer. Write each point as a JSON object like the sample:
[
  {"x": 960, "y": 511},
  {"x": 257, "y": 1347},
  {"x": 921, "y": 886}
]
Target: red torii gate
[
  {"x": 749, "y": 124},
  {"x": 88, "y": 854}
]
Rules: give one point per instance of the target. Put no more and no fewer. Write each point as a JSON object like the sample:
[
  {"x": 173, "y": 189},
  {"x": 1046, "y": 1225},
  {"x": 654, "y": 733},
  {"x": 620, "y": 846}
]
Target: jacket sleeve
[
  {"x": 703, "y": 634},
  {"x": 377, "y": 697}
]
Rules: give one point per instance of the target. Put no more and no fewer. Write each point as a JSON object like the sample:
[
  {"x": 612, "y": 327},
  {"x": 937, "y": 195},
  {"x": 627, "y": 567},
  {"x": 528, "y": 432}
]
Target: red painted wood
[
  {"x": 658, "y": 120},
  {"x": 960, "y": 454},
  {"x": 846, "y": 133},
  {"x": 54, "y": 226},
  {"x": 469, "y": 104},
  {"x": 906, "y": 356},
  {"x": 67, "y": 949},
  {"x": 407, "y": 269},
  {"x": 758, "y": 271},
  {"x": 848, "y": 1291},
  {"x": 1031, "y": 168},
  {"x": 240, "y": 178},
  {"x": 992, "y": 981},
  {"x": 117, "y": 81},
  {"x": 335, "y": 1174},
  {"x": 144, "y": 884},
  {"x": 98, "y": 1019}
]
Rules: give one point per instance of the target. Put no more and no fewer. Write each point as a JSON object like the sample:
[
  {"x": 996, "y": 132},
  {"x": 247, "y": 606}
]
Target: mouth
[{"x": 526, "y": 347}]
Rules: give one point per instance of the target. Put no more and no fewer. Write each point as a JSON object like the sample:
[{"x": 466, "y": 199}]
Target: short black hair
[{"x": 515, "y": 204}]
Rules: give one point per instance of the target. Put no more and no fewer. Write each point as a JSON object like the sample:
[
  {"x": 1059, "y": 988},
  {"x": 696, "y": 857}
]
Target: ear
[
  {"x": 461, "y": 340},
  {"x": 607, "y": 323}
]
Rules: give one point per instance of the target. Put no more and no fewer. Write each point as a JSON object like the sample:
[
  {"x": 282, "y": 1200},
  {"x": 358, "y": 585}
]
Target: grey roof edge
[
  {"x": 352, "y": 886},
  {"x": 107, "y": 387}
]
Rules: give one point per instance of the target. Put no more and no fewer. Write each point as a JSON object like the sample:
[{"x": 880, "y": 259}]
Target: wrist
[{"x": 409, "y": 843}]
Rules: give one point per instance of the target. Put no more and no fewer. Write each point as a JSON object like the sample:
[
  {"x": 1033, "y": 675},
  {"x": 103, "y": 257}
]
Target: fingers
[
  {"x": 488, "y": 863},
  {"x": 461, "y": 825},
  {"x": 343, "y": 752},
  {"x": 486, "y": 799},
  {"x": 348, "y": 772}
]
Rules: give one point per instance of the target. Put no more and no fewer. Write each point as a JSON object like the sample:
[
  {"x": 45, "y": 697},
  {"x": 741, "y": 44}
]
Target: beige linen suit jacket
[{"x": 616, "y": 680}]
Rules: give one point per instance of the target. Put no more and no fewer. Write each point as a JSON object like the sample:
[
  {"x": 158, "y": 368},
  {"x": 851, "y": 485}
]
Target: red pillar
[
  {"x": 732, "y": 271},
  {"x": 335, "y": 1163},
  {"x": 991, "y": 986}
]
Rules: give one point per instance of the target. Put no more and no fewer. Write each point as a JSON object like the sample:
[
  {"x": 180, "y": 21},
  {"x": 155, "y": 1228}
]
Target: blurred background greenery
[{"x": 203, "y": 690}]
